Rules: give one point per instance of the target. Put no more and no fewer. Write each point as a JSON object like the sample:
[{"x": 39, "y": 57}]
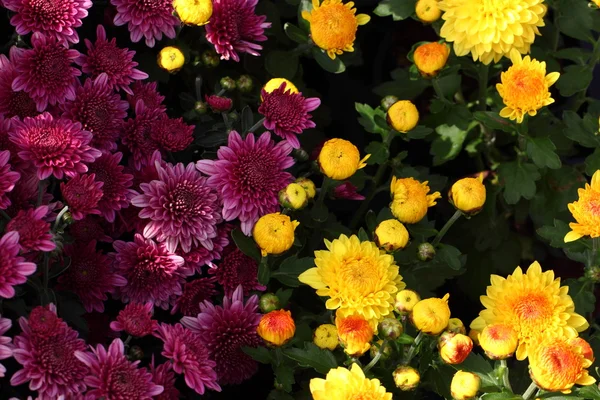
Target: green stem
[
  {"x": 505, "y": 379},
  {"x": 445, "y": 228},
  {"x": 327, "y": 184},
  {"x": 413, "y": 348},
  {"x": 530, "y": 390},
  {"x": 5, "y": 215},
  {"x": 256, "y": 125},
  {"x": 375, "y": 359},
  {"x": 59, "y": 217},
  {"x": 438, "y": 90},
  {"x": 483, "y": 81},
  {"x": 226, "y": 120}
]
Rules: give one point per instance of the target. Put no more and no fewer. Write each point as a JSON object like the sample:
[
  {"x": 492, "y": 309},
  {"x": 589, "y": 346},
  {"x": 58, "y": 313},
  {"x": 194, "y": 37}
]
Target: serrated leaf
[
  {"x": 449, "y": 256},
  {"x": 335, "y": 66},
  {"x": 246, "y": 244},
  {"x": 290, "y": 268},
  {"x": 367, "y": 118},
  {"x": 494, "y": 121},
  {"x": 555, "y": 234},
  {"x": 295, "y": 33},
  {"x": 542, "y": 152},
  {"x": 592, "y": 162},
  {"x": 311, "y": 356},
  {"x": 284, "y": 376},
  {"x": 260, "y": 354},
  {"x": 379, "y": 153},
  {"x": 418, "y": 132},
  {"x": 575, "y": 78},
  {"x": 582, "y": 293},
  {"x": 581, "y": 130},
  {"x": 398, "y": 9},
  {"x": 448, "y": 144},
  {"x": 591, "y": 392},
  {"x": 519, "y": 180}
]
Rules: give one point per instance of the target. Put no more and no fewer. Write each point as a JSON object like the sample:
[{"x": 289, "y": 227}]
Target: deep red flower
[
  {"x": 172, "y": 134},
  {"x": 8, "y": 179},
  {"x": 135, "y": 134},
  {"x": 236, "y": 269},
  {"x": 14, "y": 270},
  {"x": 82, "y": 195},
  {"x": 347, "y": 191},
  {"x": 34, "y": 231},
  {"x": 194, "y": 293},
  {"x": 148, "y": 19},
  {"x": 218, "y": 103},
  {"x": 199, "y": 256},
  {"x": 12, "y": 102},
  {"x": 136, "y": 320},
  {"x": 5, "y": 344},
  {"x": 148, "y": 94}
]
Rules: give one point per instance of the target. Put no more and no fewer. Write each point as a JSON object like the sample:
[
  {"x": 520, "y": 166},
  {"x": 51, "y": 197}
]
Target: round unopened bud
[
  {"x": 499, "y": 341},
  {"x": 326, "y": 337},
  {"x": 233, "y": 116},
  {"x": 403, "y": 116},
  {"x": 293, "y": 196},
  {"x": 430, "y": 58},
  {"x": 468, "y": 195},
  {"x": 268, "y": 302},
  {"x": 593, "y": 273},
  {"x": 201, "y": 107},
  {"x": 210, "y": 58},
  {"x": 67, "y": 218},
  {"x": 465, "y": 385},
  {"x": 227, "y": 83},
  {"x": 425, "y": 252},
  {"x": 428, "y": 11},
  {"x": 386, "y": 350},
  {"x": 135, "y": 353},
  {"x": 406, "y": 300},
  {"x": 308, "y": 186},
  {"x": 171, "y": 59},
  {"x": 390, "y": 328},
  {"x": 431, "y": 315},
  {"x": 406, "y": 378},
  {"x": 454, "y": 347},
  {"x": 388, "y": 101},
  {"x": 456, "y": 325},
  {"x": 245, "y": 84},
  {"x": 300, "y": 154},
  {"x": 391, "y": 235}
]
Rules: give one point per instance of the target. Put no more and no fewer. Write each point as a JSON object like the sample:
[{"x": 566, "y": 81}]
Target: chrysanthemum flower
[
  {"x": 14, "y": 270},
  {"x": 499, "y": 341},
  {"x": 55, "y": 146},
  {"x": 234, "y": 28},
  {"x": 90, "y": 275},
  {"x": 218, "y": 104},
  {"x": 148, "y": 19},
  {"x": 468, "y": 195},
  {"x": 26, "y": 192},
  {"x": 189, "y": 357},
  {"x": 172, "y": 134},
  {"x": 274, "y": 233},
  {"x": 113, "y": 376},
  {"x": 199, "y": 256},
  {"x": 165, "y": 377},
  {"x": 326, "y": 337},
  {"x": 341, "y": 383},
  {"x": 235, "y": 269},
  {"x": 532, "y": 303},
  {"x": 46, "y": 350},
  {"x": 171, "y": 59},
  {"x": 403, "y": 116},
  {"x": 355, "y": 333},
  {"x": 87, "y": 229},
  {"x": 524, "y": 87},
  {"x": 45, "y": 72},
  {"x": 287, "y": 113},
  {"x": 249, "y": 175},
  {"x": 465, "y": 385},
  {"x": 193, "y": 12},
  {"x": 104, "y": 56},
  {"x": 194, "y": 293},
  {"x": 148, "y": 94},
  {"x": 333, "y": 25},
  {"x": 586, "y": 211},
  {"x": 339, "y": 159},
  {"x": 411, "y": 199},
  {"x": 454, "y": 348},
  {"x": 490, "y": 30},
  {"x": 135, "y": 134},
  {"x": 224, "y": 330},
  {"x": 340, "y": 275},
  {"x": 13, "y": 103},
  {"x": 431, "y": 316},
  {"x": 347, "y": 191},
  {"x": 82, "y": 195},
  {"x": 34, "y": 231},
  {"x": 277, "y": 327},
  {"x": 6, "y": 350},
  {"x": 136, "y": 320},
  {"x": 8, "y": 179},
  {"x": 431, "y": 58}
]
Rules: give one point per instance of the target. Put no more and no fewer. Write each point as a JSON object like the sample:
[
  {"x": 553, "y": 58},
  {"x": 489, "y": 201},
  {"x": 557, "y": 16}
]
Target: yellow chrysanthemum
[
  {"x": 403, "y": 116},
  {"x": 468, "y": 195},
  {"x": 499, "y": 341},
  {"x": 524, "y": 87},
  {"x": 193, "y": 12},
  {"x": 355, "y": 333},
  {"x": 326, "y": 337},
  {"x": 171, "y": 59},
  {"x": 430, "y": 58},
  {"x": 391, "y": 235},
  {"x": 464, "y": 385},
  {"x": 596, "y": 2},
  {"x": 339, "y": 159},
  {"x": 277, "y": 327},
  {"x": 293, "y": 196},
  {"x": 431, "y": 316},
  {"x": 428, "y": 11},
  {"x": 406, "y": 300},
  {"x": 490, "y": 29},
  {"x": 455, "y": 325},
  {"x": 411, "y": 199},
  {"x": 276, "y": 83},
  {"x": 333, "y": 25},
  {"x": 356, "y": 276},
  {"x": 406, "y": 378},
  {"x": 586, "y": 211},
  {"x": 343, "y": 384},
  {"x": 274, "y": 233},
  {"x": 533, "y": 303}
]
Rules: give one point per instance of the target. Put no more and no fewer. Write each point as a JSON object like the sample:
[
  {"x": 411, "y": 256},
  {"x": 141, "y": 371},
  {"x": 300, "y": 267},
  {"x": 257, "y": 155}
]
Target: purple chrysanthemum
[
  {"x": 105, "y": 57},
  {"x": 234, "y": 27},
  {"x": 55, "y": 146},
  {"x": 45, "y": 72},
  {"x": 148, "y": 94},
  {"x": 347, "y": 191},
  {"x": 153, "y": 273},
  {"x": 25, "y": 194},
  {"x": 8, "y": 178},
  {"x": 235, "y": 269},
  {"x": 14, "y": 270},
  {"x": 194, "y": 293},
  {"x": 135, "y": 134},
  {"x": 136, "y": 320},
  {"x": 88, "y": 229},
  {"x": 287, "y": 113},
  {"x": 82, "y": 195},
  {"x": 183, "y": 210},
  {"x": 13, "y": 103},
  {"x": 34, "y": 231},
  {"x": 199, "y": 256},
  {"x": 189, "y": 357},
  {"x": 224, "y": 330},
  {"x": 165, "y": 377},
  {"x": 148, "y": 19},
  {"x": 172, "y": 134},
  {"x": 99, "y": 110},
  {"x": 5, "y": 346},
  {"x": 249, "y": 174},
  {"x": 113, "y": 376}
]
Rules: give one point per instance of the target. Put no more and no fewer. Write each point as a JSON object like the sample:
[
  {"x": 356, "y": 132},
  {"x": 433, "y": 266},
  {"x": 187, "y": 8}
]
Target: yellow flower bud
[
  {"x": 193, "y": 12},
  {"x": 465, "y": 385},
  {"x": 293, "y": 196},
  {"x": 454, "y": 347},
  {"x": 468, "y": 195},
  {"x": 326, "y": 337},
  {"x": 276, "y": 327},
  {"x": 406, "y": 300},
  {"x": 428, "y": 11},
  {"x": 391, "y": 235},
  {"x": 586, "y": 349},
  {"x": 431, "y": 316},
  {"x": 403, "y": 116},
  {"x": 308, "y": 185},
  {"x": 499, "y": 341},
  {"x": 406, "y": 378},
  {"x": 275, "y": 83},
  {"x": 474, "y": 335},
  {"x": 171, "y": 59},
  {"x": 411, "y": 199},
  {"x": 339, "y": 159},
  {"x": 430, "y": 58},
  {"x": 456, "y": 325},
  {"x": 355, "y": 334},
  {"x": 274, "y": 233}
]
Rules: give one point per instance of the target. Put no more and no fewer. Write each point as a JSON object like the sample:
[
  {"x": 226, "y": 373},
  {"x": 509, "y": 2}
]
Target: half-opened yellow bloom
[
  {"x": 464, "y": 385},
  {"x": 532, "y": 303},
  {"x": 403, "y": 116},
  {"x": 333, "y": 25},
  {"x": 411, "y": 199},
  {"x": 391, "y": 235},
  {"x": 430, "y": 58},
  {"x": 339, "y": 159},
  {"x": 171, "y": 59},
  {"x": 193, "y": 12},
  {"x": 343, "y": 384},
  {"x": 586, "y": 211},
  {"x": 276, "y": 327},
  {"x": 355, "y": 333},
  {"x": 431, "y": 315},
  {"x": 274, "y": 233},
  {"x": 326, "y": 337},
  {"x": 428, "y": 11},
  {"x": 468, "y": 195},
  {"x": 499, "y": 341}
]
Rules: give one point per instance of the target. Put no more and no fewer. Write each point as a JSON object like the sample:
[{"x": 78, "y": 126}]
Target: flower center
[
  {"x": 51, "y": 66},
  {"x": 56, "y": 354},
  {"x": 49, "y": 11},
  {"x": 533, "y": 312},
  {"x": 21, "y": 105},
  {"x": 285, "y": 109},
  {"x": 359, "y": 274},
  {"x": 561, "y": 362},
  {"x": 153, "y": 5},
  {"x": 255, "y": 171},
  {"x": 524, "y": 88},
  {"x": 333, "y": 26},
  {"x": 48, "y": 143}
]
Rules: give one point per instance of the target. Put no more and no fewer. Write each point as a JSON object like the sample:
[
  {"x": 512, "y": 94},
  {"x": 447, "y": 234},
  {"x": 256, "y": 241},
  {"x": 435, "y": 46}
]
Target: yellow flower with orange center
[
  {"x": 333, "y": 25},
  {"x": 558, "y": 363},
  {"x": 355, "y": 333},
  {"x": 339, "y": 159},
  {"x": 525, "y": 87},
  {"x": 276, "y": 327},
  {"x": 411, "y": 199},
  {"x": 432, "y": 315},
  {"x": 343, "y": 384},
  {"x": 356, "y": 276},
  {"x": 499, "y": 341},
  {"x": 532, "y": 303},
  {"x": 586, "y": 211},
  {"x": 430, "y": 58}
]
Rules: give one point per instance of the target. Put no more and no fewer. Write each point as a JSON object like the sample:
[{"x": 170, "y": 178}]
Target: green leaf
[
  {"x": 582, "y": 293},
  {"x": 422, "y": 230},
  {"x": 592, "y": 162},
  {"x": 575, "y": 78},
  {"x": 402, "y": 86},
  {"x": 282, "y": 64},
  {"x": 541, "y": 151},
  {"x": 449, "y": 256},
  {"x": 260, "y": 354},
  {"x": 398, "y": 9},
  {"x": 335, "y": 66},
  {"x": 247, "y": 119},
  {"x": 264, "y": 271},
  {"x": 588, "y": 392},
  {"x": 363, "y": 235},
  {"x": 448, "y": 144},
  {"x": 379, "y": 153},
  {"x": 290, "y": 268},
  {"x": 519, "y": 180},
  {"x": 311, "y": 356},
  {"x": 500, "y": 396},
  {"x": 405, "y": 339},
  {"x": 284, "y": 375},
  {"x": 575, "y": 19},
  {"x": 494, "y": 121},
  {"x": 295, "y": 33},
  {"x": 419, "y": 132},
  {"x": 367, "y": 118},
  {"x": 578, "y": 55},
  {"x": 477, "y": 364},
  {"x": 371, "y": 220},
  {"x": 246, "y": 244},
  {"x": 284, "y": 296},
  {"x": 582, "y": 130}
]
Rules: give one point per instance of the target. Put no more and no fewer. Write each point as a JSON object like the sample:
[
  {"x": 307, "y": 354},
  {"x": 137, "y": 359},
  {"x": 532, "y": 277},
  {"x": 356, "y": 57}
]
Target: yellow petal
[
  {"x": 552, "y": 77},
  {"x": 596, "y": 181},
  {"x": 572, "y": 236},
  {"x": 306, "y": 15},
  {"x": 362, "y": 19},
  {"x": 312, "y": 278}
]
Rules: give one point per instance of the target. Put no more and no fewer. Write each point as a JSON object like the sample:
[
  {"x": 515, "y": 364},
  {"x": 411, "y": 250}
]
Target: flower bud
[
  {"x": 428, "y": 11},
  {"x": 326, "y": 337},
  {"x": 406, "y": 378},
  {"x": 218, "y": 104},
  {"x": 456, "y": 325},
  {"x": 200, "y": 107},
  {"x": 468, "y": 195},
  {"x": 454, "y": 347},
  {"x": 308, "y": 186},
  {"x": 390, "y": 328},
  {"x": 171, "y": 59},
  {"x": 276, "y": 83},
  {"x": 499, "y": 341},
  {"x": 293, "y": 196},
  {"x": 268, "y": 302},
  {"x": 135, "y": 353},
  {"x": 593, "y": 273},
  {"x": 431, "y": 58},
  {"x": 210, "y": 58},
  {"x": 406, "y": 300},
  {"x": 386, "y": 351},
  {"x": 465, "y": 385},
  {"x": 403, "y": 116},
  {"x": 586, "y": 349},
  {"x": 425, "y": 252},
  {"x": 339, "y": 159},
  {"x": 193, "y": 12},
  {"x": 391, "y": 235},
  {"x": 227, "y": 83},
  {"x": 274, "y": 233},
  {"x": 67, "y": 218},
  {"x": 244, "y": 84},
  {"x": 300, "y": 154},
  {"x": 388, "y": 101},
  {"x": 277, "y": 327},
  {"x": 355, "y": 334},
  {"x": 431, "y": 316}
]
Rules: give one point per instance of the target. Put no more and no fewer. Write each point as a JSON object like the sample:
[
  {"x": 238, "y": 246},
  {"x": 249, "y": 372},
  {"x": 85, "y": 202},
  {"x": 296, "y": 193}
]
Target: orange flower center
[
  {"x": 358, "y": 273},
  {"x": 532, "y": 311},
  {"x": 333, "y": 26},
  {"x": 564, "y": 364},
  {"x": 524, "y": 88}
]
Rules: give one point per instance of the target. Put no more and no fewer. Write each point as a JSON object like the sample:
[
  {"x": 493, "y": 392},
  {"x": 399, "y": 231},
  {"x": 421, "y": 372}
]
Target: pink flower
[
  {"x": 347, "y": 191},
  {"x": 153, "y": 273},
  {"x": 235, "y": 269},
  {"x": 164, "y": 376},
  {"x": 224, "y": 330},
  {"x": 194, "y": 293},
  {"x": 13, "y": 102},
  {"x": 183, "y": 210},
  {"x": 82, "y": 195},
  {"x": 189, "y": 357},
  {"x": 147, "y": 93},
  {"x": 25, "y": 194},
  {"x": 45, "y": 72},
  {"x": 8, "y": 178},
  {"x": 287, "y": 113},
  {"x": 90, "y": 276},
  {"x": 234, "y": 26},
  {"x": 14, "y": 270},
  {"x": 218, "y": 104},
  {"x": 113, "y": 376},
  {"x": 57, "y": 18},
  {"x": 46, "y": 350},
  {"x": 135, "y": 134},
  {"x": 105, "y": 57},
  {"x": 87, "y": 229},
  {"x": 146, "y": 18},
  {"x": 172, "y": 134},
  {"x": 200, "y": 256},
  {"x": 55, "y": 146},
  {"x": 136, "y": 320},
  {"x": 249, "y": 174},
  {"x": 34, "y": 231},
  {"x": 5, "y": 346}
]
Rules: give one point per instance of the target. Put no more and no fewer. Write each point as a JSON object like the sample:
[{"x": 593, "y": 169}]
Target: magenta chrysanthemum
[
  {"x": 148, "y": 19},
  {"x": 165, "y": 377},
  {"x": 82, "y": 195},
  {"x": 136, "y": 320},
  {"x": 146, "y": 92},
  {"x": 200, "y": 256},
  {"x": 113, "y": 377},
  {"x": 99, "y": 110},
  {"x": 194, "y": 293},
  {"x": 287, "y": 113},
  {"x": 218, "y": 104},
  {"x": 104, "y": 56},
  {"x": 45, "y": 72},
  {"x": 249, "y": 174},
  {"x": 5, "y": 346},
  {"x": 153, "y": 273},
  {"x": 13, "y": 103},
  {"x": 8, "y": 178},
  {"x": 189, "y": 357},
  {"x": 347, "y": 191},
  {"x": 183, "y": 210},
  {"x": 55, "y": 146},
  {"x": 135, "y": 134},
  {"x": 14, "y": 270},
  {"x": 90, "y": 276},
  {"x": 235, "y": 269},
  {"x": 34, "y": 231},
  {"x": 88, "y": 229},
  {"x": 46, "y": 350},
  {"x": 234, "y": 27},
  {"x": 172, "y": 134},
  {"x": 224, "y": 330},
  {"x": 116, "y": 184}
]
